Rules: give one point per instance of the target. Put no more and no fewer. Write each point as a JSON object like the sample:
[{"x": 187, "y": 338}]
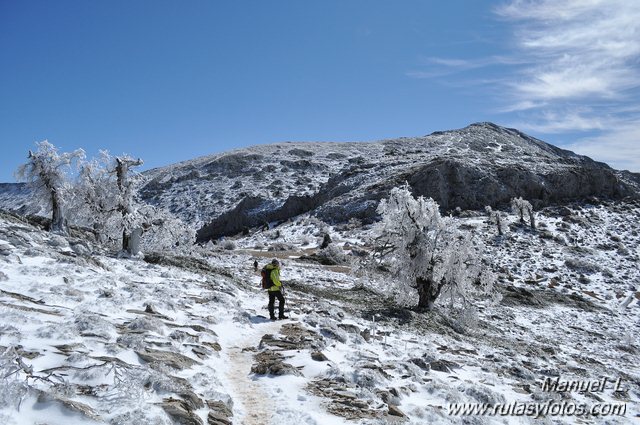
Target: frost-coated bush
[
  {"x": 90, "y": 323},
  {"x": 13, "y": 387},
  {"x": 305, "y": 240},
  {"x": 582, "y": 265},
  {"x": 139, "y": 416},
  {"x": 367, "y": 378},
  {"x": 229, "y": 245},
  {"x": 332, "y": 254},
  {"x": 280, "y": 246},
  {"x": 426, "y": 254},
  {"x": 482, "y": 394},
  {"x": 523, "y": 207}
]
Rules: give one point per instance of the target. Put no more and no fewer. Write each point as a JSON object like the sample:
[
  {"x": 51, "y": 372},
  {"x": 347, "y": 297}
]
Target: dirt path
[
  {"x": 251, "y": 404},
  {"x": 250, "y": 396}
]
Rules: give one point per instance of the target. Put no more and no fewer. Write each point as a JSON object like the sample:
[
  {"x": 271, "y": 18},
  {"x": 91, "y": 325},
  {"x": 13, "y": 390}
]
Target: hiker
[
  {"x": 255, "y": 265},
  {"x": 275, "y": 291}
]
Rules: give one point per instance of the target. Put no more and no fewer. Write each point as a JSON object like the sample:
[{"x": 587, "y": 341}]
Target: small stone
[
  {"x": 201, "y": 352},
  {"x": 180, "y": 412},
  {"x": 443, "y": 366},
  {"x": 353, "y": 329},
  {"x": 394, "y": 411},
  {"x": 214, "y": 345},
  {"x": 75, "y": 406},
  {"x": 192, "y": 399},
  {"x": 217, "y": 419},
  {"x": 421, "y": 363},
  {"x": 219, "y": 407},
  {"x": 175, "y": 360},
  {"x": 366, "y": 334},
  {"x": 319, "y": 356}
]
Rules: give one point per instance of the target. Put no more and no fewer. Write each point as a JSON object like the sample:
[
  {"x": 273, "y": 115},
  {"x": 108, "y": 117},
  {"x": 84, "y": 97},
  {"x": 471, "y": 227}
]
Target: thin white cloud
[
  {"x": 555, "y": 121},
  {"x": 618, "y": 147},
  {"x": 573, "y": 66},
  {"x": 521, "y": 106},
  {"x": 438, "y": 67},
  {"x": 579, "y": 48},
  {"x": 583, "y": 72}
]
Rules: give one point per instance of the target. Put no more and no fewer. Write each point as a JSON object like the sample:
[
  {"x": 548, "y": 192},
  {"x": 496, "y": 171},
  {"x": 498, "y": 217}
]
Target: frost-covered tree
[
  {"x": 427, "y": 253},
  {"x": 47, "y": 172},
  {"x": 95, "y": 200},
  {"x": 523, "y": 207},
  {"x": 107, "y": 201},
  {"x": 161, "y": 230},
  {"x": 131, "y": 231},
  {"x": 495, "y": 217}
]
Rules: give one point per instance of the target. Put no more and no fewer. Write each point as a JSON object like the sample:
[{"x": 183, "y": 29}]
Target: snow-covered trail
[
  {"x": 251, "y": 399},
  {"x": 258, "y": 399},
  {"x": 251, "y": 403}
]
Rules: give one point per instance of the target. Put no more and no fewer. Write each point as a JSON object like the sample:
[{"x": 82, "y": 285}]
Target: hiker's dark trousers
[{"x": 272, "y": 299}]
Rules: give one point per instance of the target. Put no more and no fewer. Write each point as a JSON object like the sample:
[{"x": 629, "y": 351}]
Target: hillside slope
[{"x": 182, "y": 337}]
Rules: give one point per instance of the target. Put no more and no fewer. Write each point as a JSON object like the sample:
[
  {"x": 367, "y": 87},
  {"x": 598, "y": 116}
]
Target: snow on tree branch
[
  {"x": 48, "y": 174},
  {"x": 426, "y": 253}
]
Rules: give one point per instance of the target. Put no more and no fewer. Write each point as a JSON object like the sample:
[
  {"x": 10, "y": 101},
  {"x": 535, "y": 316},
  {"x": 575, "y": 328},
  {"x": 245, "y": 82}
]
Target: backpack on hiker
[{"x": 266, "y": 278}]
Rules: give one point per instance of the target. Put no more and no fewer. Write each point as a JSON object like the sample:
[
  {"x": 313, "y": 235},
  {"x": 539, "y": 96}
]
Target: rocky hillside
[
  {"x": 482, "y": 164},
  {"x": 183, "y": 338}
]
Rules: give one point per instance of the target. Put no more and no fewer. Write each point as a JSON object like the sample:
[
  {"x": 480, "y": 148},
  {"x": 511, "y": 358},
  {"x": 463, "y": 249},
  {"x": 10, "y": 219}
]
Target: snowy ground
[{"x": 89, "y": 338}]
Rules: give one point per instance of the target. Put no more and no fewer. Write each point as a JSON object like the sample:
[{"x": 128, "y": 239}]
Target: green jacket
[{"x": 274, "y": 273}]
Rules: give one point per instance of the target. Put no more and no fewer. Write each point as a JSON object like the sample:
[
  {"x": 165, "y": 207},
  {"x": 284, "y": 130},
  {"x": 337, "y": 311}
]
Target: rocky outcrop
[
  {"x": 453, "y": 183},
  {"x": 269, "y": 362}
]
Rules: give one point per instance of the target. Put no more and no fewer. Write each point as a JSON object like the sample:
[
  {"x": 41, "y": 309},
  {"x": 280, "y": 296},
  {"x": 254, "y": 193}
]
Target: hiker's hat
[{"x": 275, "y": 262}]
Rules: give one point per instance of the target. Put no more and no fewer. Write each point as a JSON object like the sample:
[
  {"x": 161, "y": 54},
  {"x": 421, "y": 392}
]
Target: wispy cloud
[
  {"x": 617, "y": 147},
  {"x": 578, "y": 48},
  {"x": 569, "y": 68},
  {"x": 439, "y": 67},
  {"x": 553, "y": 120},
  {"x": 582, "y": 73}
]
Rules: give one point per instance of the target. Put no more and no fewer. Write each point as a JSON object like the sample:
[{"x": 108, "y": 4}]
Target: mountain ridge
[{"x": 468, "y": 168}]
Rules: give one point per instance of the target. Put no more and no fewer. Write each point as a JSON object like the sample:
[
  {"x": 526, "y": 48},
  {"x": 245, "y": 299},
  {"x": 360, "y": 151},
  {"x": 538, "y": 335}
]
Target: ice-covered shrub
[
  {"x": 13, "y": 387},
  {"x": 332, "y": 255},
  {"x": 105, "y": 199},
  {"x": 523, "y": 207},
  {"x": 305, "y": 240},
  {"x": 482, "y": 394},
  {"x": 229, "y": 245},
  {"x": 367, "y": 378},
  {"x": 581, "y": 265},
  {"x": 139, "y": 416},
  {"x": 92, "y": 324},
  {"x": 280, "y": 246},
  {"x": 495, "y": 217},
  {"x": 427, "y": 254}
]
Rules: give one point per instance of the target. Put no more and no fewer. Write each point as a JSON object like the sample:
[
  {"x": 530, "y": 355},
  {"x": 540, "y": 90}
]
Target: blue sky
[{"x": 172, "y": 80}]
